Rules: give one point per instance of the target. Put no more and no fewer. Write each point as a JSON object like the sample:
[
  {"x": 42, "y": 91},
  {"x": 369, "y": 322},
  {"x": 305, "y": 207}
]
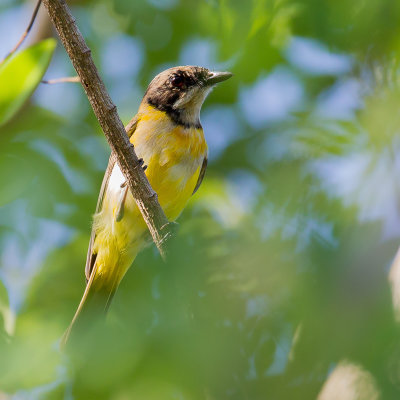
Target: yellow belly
[{"x": 173, "y": 155}]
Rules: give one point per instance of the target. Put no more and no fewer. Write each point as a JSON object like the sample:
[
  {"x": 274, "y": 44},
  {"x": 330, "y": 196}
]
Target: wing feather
[
  {"x": 201, "y": 174},
  {"x": 91, "y": 257}
]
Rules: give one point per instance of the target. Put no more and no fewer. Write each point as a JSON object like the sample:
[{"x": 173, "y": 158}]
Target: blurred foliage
[
  {"x": 279, "y": 271},
  {"x": 20, "y": 74}
]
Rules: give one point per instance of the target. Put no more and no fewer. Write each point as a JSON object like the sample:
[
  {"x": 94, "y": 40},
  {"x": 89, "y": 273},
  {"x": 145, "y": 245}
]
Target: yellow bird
[{"x": 168, "y": 137}]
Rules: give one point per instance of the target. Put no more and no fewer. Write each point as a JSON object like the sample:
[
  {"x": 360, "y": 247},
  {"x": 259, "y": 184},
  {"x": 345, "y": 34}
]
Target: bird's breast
[{"x": 173, "y": 155}]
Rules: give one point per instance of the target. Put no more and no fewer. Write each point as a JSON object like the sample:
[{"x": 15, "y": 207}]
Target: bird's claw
[{"x": 141, "y": 162}]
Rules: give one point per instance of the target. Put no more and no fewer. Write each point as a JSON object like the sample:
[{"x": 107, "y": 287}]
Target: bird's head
[{"x": 181, "y": 91}]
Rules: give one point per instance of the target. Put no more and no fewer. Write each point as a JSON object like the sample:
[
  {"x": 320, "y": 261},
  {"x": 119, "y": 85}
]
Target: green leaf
[{"x": 20, "y": 75}]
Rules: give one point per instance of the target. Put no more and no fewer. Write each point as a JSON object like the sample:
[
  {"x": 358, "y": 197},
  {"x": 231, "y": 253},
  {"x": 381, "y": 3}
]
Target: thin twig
[
  {"x": 25, "y": 34},
  {"x": 107, "y": 115},
  {"x": 66, "y": 79}
]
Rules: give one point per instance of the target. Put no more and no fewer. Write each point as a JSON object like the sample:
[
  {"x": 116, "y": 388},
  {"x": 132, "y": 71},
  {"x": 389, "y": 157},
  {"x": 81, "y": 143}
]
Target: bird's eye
[{"x": 177, "y": 81}]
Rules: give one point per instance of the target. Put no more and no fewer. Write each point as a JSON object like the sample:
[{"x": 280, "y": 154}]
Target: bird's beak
[{"x": 216, "y": 77}]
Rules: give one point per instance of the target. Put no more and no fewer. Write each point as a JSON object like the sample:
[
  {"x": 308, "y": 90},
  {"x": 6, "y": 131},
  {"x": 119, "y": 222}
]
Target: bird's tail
[{"x": 94, "y": 304}]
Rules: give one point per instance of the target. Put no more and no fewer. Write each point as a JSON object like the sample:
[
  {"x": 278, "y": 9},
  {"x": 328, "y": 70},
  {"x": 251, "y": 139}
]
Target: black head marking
[{"x": 172, "y": 85}]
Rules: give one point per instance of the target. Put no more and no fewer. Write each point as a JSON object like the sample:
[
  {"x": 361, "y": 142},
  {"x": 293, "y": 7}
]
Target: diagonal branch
[
  {"x": 25, "y": 34},
  {"x": 106, "y": 113}
]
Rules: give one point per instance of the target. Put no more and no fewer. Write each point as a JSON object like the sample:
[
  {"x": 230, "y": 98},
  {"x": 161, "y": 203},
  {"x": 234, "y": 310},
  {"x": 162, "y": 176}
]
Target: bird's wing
[
  {"x": 91, "y": 257},
  {"x": 201, "y": 175}
]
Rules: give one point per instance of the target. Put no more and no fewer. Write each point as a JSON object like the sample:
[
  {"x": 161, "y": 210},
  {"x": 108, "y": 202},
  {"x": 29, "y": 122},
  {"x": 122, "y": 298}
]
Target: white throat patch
[{"x": 190, "y": 105}]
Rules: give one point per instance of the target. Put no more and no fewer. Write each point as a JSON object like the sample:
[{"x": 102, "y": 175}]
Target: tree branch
[
  {"x": 67, "y": 79},
  {"x": 106, "y": 113},
  {"x": 25, "y": 34}
]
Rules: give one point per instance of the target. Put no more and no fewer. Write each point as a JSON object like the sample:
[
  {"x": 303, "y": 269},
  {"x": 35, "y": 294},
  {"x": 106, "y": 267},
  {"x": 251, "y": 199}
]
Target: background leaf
[{"x": 20, "y": 75}]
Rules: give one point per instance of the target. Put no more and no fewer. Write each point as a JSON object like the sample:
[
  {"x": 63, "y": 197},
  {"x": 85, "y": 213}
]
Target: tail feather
[
  {"x": 94, "y": 303},
  {"x": 105, "y": 276}
]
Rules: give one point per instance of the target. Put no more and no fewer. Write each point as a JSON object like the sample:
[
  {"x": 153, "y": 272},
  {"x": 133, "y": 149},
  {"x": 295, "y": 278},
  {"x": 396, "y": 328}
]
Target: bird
[{"x": 169, "y": 141}]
